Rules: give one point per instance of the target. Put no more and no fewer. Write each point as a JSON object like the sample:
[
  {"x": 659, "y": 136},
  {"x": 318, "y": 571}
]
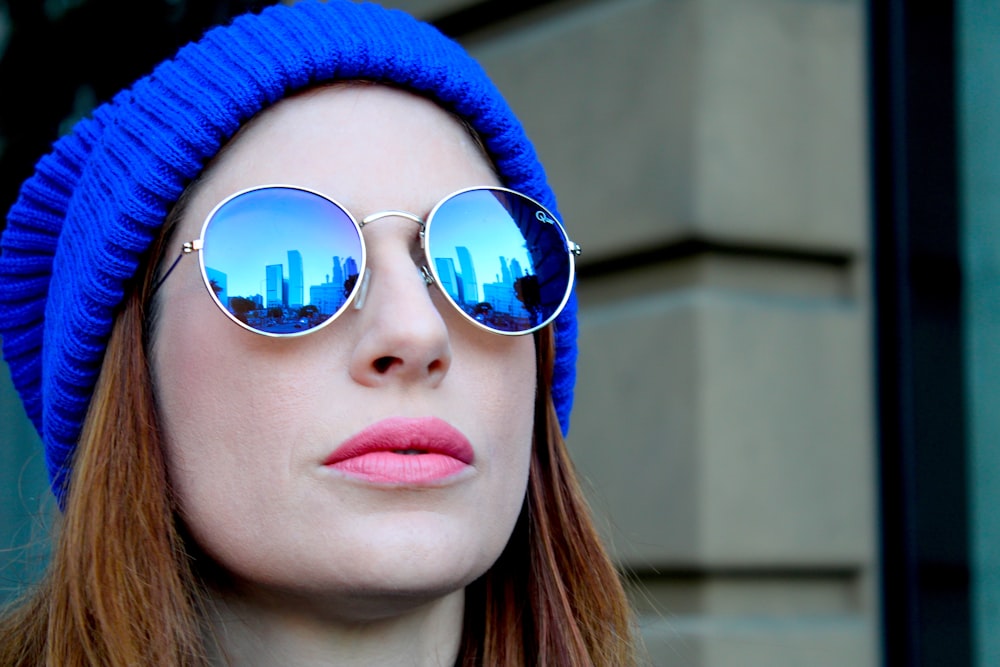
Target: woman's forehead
[{"x": 370, "y": 147}]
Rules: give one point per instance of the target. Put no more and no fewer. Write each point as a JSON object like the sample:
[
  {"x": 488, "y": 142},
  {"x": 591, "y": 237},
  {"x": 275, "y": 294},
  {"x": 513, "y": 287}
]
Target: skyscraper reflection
[{"x": 289, "y": 304}]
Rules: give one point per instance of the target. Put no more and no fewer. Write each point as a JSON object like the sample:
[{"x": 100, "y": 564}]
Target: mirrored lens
[
  {"x": 281, "y": 260},
  {"x": 501, "y": 258}
]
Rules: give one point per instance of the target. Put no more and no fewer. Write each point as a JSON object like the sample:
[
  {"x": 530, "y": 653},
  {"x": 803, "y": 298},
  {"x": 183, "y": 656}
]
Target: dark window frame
[{"x": 921, "y": 394}]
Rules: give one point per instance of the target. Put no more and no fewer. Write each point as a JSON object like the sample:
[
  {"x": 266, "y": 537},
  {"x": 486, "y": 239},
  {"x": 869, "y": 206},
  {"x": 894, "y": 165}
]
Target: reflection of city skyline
[
  {"x": 501, "y": 294},
  {"x": 288, "y": 291},
  {"x": 506, "y": 299}
]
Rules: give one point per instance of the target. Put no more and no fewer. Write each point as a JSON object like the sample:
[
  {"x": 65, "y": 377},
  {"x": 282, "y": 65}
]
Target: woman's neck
[{"x": 246, "y": 632}]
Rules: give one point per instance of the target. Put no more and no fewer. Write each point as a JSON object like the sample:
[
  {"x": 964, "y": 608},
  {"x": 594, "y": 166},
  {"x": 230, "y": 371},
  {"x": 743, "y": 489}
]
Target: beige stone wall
[{"x": 710, "y": 157}]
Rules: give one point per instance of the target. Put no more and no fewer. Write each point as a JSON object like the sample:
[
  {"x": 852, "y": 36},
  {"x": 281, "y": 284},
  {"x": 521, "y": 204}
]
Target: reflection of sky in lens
[
  {"x": 258, "y": 228},
  {"x": 477, "y": 221}
]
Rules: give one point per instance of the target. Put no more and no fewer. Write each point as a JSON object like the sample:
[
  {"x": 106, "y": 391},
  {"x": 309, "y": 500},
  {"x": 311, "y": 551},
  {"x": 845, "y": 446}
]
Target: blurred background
[{"x": 789, "y": 213}]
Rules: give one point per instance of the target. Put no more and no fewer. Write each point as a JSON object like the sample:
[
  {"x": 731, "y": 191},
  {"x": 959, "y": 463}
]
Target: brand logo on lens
[{"x": 542, "y": 216}]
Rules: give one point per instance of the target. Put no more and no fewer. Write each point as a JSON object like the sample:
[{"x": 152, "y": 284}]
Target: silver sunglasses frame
[{"x": 357, "y": 296}]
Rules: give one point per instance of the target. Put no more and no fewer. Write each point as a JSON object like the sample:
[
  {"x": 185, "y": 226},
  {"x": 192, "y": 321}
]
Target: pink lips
[{"x": 404, "y": 451}]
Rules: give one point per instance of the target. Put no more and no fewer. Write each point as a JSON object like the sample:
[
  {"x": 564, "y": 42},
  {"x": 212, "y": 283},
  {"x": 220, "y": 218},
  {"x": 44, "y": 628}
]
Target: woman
[{"x": 287, "y": 415}]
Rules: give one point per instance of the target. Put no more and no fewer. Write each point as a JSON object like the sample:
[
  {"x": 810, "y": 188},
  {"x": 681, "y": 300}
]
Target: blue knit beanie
[{"x": 85, "y": 219}]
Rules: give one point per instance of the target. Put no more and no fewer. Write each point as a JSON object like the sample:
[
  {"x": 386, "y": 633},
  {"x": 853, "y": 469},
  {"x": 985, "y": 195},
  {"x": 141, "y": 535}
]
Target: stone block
[
  {"x": 761, "y": 641},
  {"x": 634, "y": 432},
  {"x": 786, "y": 432},
  {"x": 749, "y": 592},
  {"x": 426, "y": 9},
  {"x": 780, "y": 147},
  {"x": 721, "y": 429}
]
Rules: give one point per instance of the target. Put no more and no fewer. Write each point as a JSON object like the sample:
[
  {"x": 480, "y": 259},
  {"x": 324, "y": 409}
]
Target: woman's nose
[{"x": 402, "y": 336}]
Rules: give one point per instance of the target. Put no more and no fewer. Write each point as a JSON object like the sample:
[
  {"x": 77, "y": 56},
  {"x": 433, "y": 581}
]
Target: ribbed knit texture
[{"x": 82, "y": 222}]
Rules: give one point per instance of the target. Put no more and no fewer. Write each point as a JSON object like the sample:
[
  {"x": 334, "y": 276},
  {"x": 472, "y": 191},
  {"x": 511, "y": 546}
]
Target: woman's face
[{"x": 252, "y": 424}]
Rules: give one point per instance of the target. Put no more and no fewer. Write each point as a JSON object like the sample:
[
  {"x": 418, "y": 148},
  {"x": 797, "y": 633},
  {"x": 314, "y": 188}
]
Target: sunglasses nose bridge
[
  {"x": 392, "y": 214},
  {"x": 425, "y": 273}
]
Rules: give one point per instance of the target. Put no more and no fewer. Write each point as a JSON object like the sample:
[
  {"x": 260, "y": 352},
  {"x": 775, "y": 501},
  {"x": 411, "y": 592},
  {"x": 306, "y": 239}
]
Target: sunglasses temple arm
[{"x": 166, "y": 275}]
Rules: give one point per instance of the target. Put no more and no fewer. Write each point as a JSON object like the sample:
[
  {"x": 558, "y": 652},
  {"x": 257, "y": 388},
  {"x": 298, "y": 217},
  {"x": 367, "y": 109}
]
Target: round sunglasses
[{"x": 282, "y": 260}]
